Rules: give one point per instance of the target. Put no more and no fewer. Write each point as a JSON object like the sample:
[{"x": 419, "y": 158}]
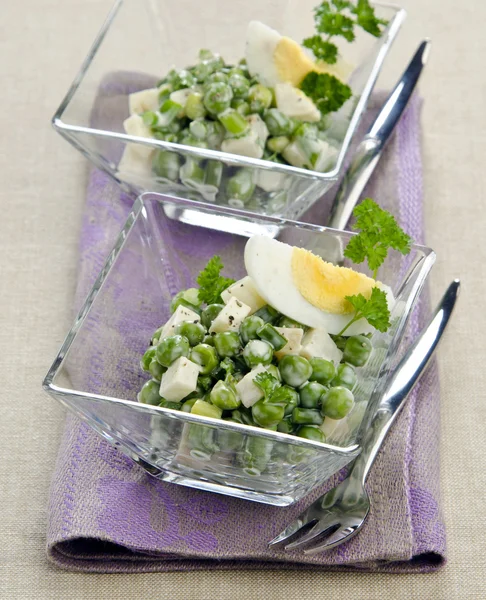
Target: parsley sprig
[
  {"x": 267, "y": 383},
  {"x": 379, "y": 232},
  {"x": 326, "y": 91},
  {"x": 211, "y": 283},
  {"x": 338, "y": 18},
  {"x": 375, "y": 310}
]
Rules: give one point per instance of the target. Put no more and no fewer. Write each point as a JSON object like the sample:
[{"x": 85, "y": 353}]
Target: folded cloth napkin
[{"x": 107, "y": 515}]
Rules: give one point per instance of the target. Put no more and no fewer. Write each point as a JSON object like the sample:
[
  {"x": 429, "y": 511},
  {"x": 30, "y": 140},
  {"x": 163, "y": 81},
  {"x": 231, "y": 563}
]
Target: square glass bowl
[
  {"x": 97, "y": 372},
  {"x": 138, "y": 44}
]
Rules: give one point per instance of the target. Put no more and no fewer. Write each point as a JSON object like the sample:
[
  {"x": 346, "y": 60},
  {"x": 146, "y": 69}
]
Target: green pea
[
  {"x": 194, "y": 107},
  {"x": 188, "y": 404},
  {"x": 156, "y": 335},
  {"x": 217, "y": 97},
  {"x": 357, "y": 350},
  {"x": 206, "y": 357},
  {"x": 307, "y": 416},
  {"x": 323, "y": 371},
  {"x": 166, "y": 164},
  {"x": 172, "y": 348},
  {"x": 208, "y": 339},
  {"x": 295, "y": 370},
  {"x": 311, "y": 432},
  {"x": 241, "y": 106},
  {"x": 243, "y": 415},
  {"x": 172, "y": 405},
  {"x": 260, "y": 97},
  {"x": 273, "y": 370},
  {"x": 205, "y": 382},
  {"x": 210, "y": 313},
  {"x": 149, "y": 394},
  {"x": 147, "y": 358},
  {"x": 345, "y": 377},
  {"x": 194, "y": 332},
  {"x": 337, "y": 402},
  {"x": 278, "y": 124},
  {"x": 269, "y": 334},
  {"x": 249, "y": 328},
  {"x": 310, "y": 394},
  {"x": 286, "y": 425},
  {"x": 230, "y": 441},
  {"x": 239, "y": 84},
  {"x": 227, "y": 343},
  {"x": 256, "y": 455},
  {"x": 340, "y": 341},
  {"x": 257, "y": 352},
  {"x": 224, "y": 397},
  {"x": 156, "y": 369},
  {"x": 267, "y": 414}
]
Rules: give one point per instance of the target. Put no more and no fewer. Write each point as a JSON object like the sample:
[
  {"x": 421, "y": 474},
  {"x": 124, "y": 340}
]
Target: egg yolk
[
  {"x": 325, "y": 285},
  {"x": 293, "y": 64}
]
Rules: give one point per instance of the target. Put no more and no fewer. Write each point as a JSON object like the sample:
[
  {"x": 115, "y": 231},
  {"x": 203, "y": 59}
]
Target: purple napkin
[{"x": 107, "y": 515}]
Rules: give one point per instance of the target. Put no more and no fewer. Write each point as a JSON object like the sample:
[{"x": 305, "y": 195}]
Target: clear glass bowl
[
  {"x": 138, "y": 44},
  {"x": 97, "y": 375}
]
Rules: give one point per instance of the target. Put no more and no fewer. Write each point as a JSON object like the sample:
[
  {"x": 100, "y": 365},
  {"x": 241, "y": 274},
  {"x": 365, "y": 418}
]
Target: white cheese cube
[
  {"x": 328, "y": 427},
  {"x": 140, "y": 102},
  {"x": 294, "y": 103},
  {"x": 271, "y": 181},
  {"x": 179, "y": 380},
  {"x": 135, "y": 168},
  {"x": 318, "y": 342},
  {"x": 294, "y": 155},
  {"x": 247, "y": 391},
  {"x": 230, "y": 318},
  {"x": 246, "y": 145},
  {"x": 293, "y": 335},
  {"x": 258, "y": 127},
  {"x": 327, "y": 157},
  {"x": 251, "y": 144},
  {"x": 181, "y": 314},
  {"x": 245, "y": 291},
  {"x": 134, "y": 125},
  {"x": 181, "y": 96}
]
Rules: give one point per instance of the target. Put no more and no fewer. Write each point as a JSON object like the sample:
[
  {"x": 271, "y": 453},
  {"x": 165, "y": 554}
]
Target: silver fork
[{"x": 339, "y": 515}]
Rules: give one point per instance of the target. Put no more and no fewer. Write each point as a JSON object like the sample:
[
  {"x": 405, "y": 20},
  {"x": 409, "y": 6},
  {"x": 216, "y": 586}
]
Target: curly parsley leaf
[
  {"x": 267, "y": 383},
  {"x": 338, "y": 18},
  {"x": 367, "y": 19},
  {"x": 379, "y": 232},
  {"x": 326, "y": 91},
  {"x": 211, "y": 283},
  {"x": 321, "y": 49},
  {"x": 374, "y": 310}
]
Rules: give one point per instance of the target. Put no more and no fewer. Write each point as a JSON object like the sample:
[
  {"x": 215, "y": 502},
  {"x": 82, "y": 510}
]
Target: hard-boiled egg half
[
  {"x": 305, "y": 288},
  {"x": 274, "y": 58}
]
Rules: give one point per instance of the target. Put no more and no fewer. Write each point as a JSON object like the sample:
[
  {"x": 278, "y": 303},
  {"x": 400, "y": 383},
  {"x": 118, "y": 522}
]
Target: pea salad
[
  {"x": 281, "y": 348},
  {"x": 274, "y": 104}
]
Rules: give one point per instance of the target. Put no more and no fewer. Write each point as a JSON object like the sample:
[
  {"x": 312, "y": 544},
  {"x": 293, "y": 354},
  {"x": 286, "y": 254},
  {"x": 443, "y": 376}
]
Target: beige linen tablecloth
[{"x": 42, "y": 43}]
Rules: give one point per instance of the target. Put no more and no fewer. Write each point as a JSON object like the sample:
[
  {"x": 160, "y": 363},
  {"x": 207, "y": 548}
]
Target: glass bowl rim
[
  {"x": 66, "y": 130},
  {"x": 138, "y": 209}
]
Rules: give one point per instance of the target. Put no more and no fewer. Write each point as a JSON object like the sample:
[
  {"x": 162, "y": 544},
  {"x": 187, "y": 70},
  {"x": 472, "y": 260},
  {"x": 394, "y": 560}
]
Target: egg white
[
  {"x": 261, "y": 43},
  {"x": 269, "y": 264}
]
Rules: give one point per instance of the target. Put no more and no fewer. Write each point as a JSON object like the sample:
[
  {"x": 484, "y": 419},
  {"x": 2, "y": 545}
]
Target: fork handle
[{"x": 403, "y": 380}]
